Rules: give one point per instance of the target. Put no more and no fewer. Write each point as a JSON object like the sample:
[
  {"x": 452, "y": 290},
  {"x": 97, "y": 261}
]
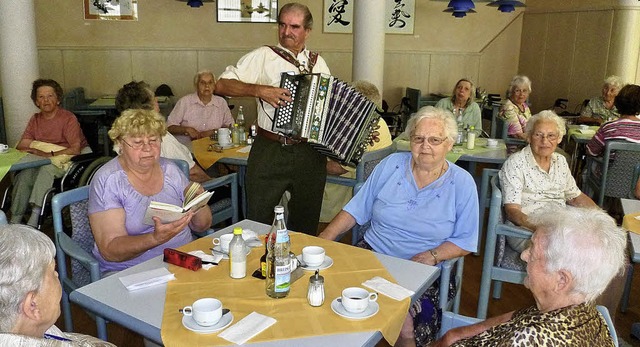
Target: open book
[{"x": 169, "y": 213}]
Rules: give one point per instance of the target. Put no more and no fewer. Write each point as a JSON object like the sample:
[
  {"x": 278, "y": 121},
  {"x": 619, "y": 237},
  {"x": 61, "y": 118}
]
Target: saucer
[
  {"x": 371, "y": 310},
  {"x": 327, "y": 263},
  {"x": 226, "y": 146},
  {"x": 189, "y": 323},
  {"x": 224, "y": 256},
  {"x": 492, "y": 147}
]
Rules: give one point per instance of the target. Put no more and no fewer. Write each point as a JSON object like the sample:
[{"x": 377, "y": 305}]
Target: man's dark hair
[
  {"x": 294, "y": 6},
  {"x": 134, "y": 95},
  {"x": 628, "y": 100},
  {"x": 46, "y": 83}
]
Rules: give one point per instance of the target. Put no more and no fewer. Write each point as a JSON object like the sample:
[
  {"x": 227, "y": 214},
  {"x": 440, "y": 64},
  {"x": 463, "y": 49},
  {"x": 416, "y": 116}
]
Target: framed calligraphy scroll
[
  {"x": 111, "y": 9},
  {"x": 399, "y": 16},
  {"x": 248, "y": 11}
]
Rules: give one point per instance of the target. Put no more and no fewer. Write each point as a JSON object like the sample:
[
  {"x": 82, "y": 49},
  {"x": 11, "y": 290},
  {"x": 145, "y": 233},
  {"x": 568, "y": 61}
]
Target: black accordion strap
[{"x": 313, "y": 57}]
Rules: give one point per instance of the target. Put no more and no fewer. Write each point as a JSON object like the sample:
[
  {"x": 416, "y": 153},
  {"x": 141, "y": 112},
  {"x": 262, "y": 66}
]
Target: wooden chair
[
  {"x": 501, "y": 263},
  {"x": 612, "y": 173}
]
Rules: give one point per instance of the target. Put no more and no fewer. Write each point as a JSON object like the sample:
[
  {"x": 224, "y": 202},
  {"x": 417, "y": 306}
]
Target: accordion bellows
[{"x": 336, "y": 119}]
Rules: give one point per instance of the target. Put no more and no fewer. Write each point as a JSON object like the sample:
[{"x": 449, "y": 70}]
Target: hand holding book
[{"x": 195, "y": 198}]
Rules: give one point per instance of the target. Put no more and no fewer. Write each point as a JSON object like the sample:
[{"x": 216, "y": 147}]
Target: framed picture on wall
[
  {"x": 111, "y": 9},
  {"x": 247, "y": 11},
  {"x": 399, "y": 16}
]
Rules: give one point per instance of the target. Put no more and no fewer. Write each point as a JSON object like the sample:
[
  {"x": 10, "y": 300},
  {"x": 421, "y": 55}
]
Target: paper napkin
[
  {"x": 246, "y": 149},
  {"x": 207, "y": 257},
  {"x": 392, "y": 290},
  {"x": 247, "y": 328},
  {"x": 147, "y": 279}
]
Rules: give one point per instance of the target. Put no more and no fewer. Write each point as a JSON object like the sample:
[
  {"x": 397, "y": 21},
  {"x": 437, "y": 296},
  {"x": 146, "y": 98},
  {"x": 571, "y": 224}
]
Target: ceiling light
[{"x": 506, "y": 5}]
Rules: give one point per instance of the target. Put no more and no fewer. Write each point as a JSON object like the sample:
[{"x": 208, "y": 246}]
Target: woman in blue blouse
[{"x": 419, "y": 206}]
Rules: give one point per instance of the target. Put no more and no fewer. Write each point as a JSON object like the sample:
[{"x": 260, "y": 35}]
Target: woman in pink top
[
  {"x": 516, "y": 111},
  {"x": 53, "y": 125}
]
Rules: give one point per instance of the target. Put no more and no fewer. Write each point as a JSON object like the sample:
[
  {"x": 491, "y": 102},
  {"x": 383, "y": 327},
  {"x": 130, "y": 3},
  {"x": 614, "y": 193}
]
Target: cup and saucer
[
  {"x": 189, "y": 323},
  {"x": 356, "y": 303},
  {"x": 492, "y": 143},
  {"x": 314, "y": 258},
  {"x": 206, "y": 316}
]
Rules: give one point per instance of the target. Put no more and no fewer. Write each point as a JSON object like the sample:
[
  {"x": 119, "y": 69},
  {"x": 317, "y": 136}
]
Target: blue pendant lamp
[
  {"x": 460, "y": 8},
  {"x": 506, "y": 5},
  {"x": 195, "y": 3}
]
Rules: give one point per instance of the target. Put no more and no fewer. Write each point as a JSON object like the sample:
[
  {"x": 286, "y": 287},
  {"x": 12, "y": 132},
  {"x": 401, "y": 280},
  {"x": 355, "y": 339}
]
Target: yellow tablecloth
[
  {"x": 9, "y": 158},
  {"x": 207, "y": 158},
  {"x": 630, "y": 222},
  {"x": 295, "y": 317},
  {"x": 457, "y": 151}
]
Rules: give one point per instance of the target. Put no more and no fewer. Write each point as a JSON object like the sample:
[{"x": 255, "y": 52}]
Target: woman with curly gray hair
[
  {"x": 573, "y": 256},
  {"x": 30, "y": 291},
  {"x": 516, "y": 110}
]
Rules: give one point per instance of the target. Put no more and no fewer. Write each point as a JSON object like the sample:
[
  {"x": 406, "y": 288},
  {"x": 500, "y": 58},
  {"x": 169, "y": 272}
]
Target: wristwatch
[{"x": 434, "y": 254}]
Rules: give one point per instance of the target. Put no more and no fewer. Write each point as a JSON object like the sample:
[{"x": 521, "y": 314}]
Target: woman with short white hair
[
  {"x": 602, "y": 108},
  {"x": 30, "y": 291},
  {"x": 516, "y": 110},
  {"x": 573, "y": 256}
]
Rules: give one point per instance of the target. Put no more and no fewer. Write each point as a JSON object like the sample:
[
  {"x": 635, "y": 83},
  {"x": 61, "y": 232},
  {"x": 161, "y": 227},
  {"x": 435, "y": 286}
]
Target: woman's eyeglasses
[
  {"x": 139, "y": 144},
  {"x": 541, "y": 136},
  {"x": 432, "y": 140}
]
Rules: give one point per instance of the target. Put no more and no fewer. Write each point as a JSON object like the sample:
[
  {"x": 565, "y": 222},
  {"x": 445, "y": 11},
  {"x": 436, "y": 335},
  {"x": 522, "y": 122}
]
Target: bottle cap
[
  {"x": 235, "y": 124},
  {"x": 237, "y": 231},
  {"x": 278, "y": 209}
]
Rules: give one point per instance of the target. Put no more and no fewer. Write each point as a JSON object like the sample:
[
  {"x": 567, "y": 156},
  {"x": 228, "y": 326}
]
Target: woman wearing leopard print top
[{"x": 574, "y": 254}]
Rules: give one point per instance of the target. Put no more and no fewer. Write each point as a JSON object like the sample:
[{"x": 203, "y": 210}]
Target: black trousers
[{"x": 272, "y": 170}]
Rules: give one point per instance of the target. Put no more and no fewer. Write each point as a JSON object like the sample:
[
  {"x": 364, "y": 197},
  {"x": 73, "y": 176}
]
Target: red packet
[{"x": 182, "y": 259}]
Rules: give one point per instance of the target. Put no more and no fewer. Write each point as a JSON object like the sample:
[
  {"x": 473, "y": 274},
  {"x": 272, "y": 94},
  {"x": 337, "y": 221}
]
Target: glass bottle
[
  {"x": 235, "y": 135},
  {"x": 241, "y": 127},
  {"x": 471, "y": 138},
  {"x": 315, "y": 293},
  {"x": 278, "y": 262},
  {"x": 237, "y": 255},
  {"x": 263, "y": 259}
]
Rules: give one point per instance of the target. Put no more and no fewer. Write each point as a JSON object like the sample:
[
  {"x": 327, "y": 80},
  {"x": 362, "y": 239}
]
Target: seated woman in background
[
  {"x": 626, "y": 128},
  {"x": 573, "y": 256},
  {"x": 419, "y": 206},
  {"x": 30, "y": 292},
  {"x": 122, "y": 189},
  {"x": 138, "y": 95},
  {"x": 515, "y": 111},
  {"x": 335, "y": 196},
  {"x": 537, "y": 176},
  {"x": 461, "y": 104},
  {"x": 602, "y": 108},
  {"x": 51, "y": 132},
  {"x": 200, "y": 114}
]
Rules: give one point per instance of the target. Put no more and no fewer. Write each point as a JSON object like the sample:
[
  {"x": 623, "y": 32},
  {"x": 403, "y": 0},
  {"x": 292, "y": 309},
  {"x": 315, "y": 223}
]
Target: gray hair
[
  {"x": 294, "y": 6},
  {"x": 519, "y": 81},
  {"x": 25, "y": 254},
  {"x": 198, "y": 76},
  {"x": 370, "y": 91},
  {"x": 585, "y": 242},
  {"x": 614, "y": 81},
  {"x": 430, "y": 112},
  {"x": 545, "y": 115}
]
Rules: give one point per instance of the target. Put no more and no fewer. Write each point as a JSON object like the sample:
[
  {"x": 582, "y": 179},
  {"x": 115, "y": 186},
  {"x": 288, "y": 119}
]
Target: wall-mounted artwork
[
  {"x": 248, "y": 11},
  {"x": 111, "y": 9},
  {"x": 399, "y": 16}
]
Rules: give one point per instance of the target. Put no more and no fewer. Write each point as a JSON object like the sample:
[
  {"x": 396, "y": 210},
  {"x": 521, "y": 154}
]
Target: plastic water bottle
[
  {"x": 278, "y": 280},
  {"x": 471, "y": 138},
  {"x": 237, "y": 255},
  {"x": 235, "y": 135}
]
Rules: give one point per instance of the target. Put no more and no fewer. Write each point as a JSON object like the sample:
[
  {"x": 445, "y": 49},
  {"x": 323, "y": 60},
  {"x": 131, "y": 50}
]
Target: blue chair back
[
  {"x": 182, "y": 165},
  {"x": 616, "y": 171}
]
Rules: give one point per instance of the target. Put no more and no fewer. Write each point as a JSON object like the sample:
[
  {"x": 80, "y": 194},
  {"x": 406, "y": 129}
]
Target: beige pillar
[
  {"x": 18, "y": 64},
  {"x": 368, "y": 41},
  {"x": 624, "y": 51}
]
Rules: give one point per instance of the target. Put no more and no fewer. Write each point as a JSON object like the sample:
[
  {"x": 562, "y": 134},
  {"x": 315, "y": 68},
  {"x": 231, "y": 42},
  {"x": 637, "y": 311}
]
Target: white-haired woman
[
  {"x": 602, "y": 108},
  {"x": 537, "y": 176},
  {"x": 419, "y": 206},
  {"x": 461, "y": 104},
  {"x": 573, "y": 255},
  {"x": 30, "y": 291},
  {"x": 200, "y": 114},
  {"x": 516, "y": 111}
]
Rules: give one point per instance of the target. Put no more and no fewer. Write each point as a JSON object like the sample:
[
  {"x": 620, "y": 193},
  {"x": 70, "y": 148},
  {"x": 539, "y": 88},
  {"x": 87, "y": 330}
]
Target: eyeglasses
[
  {"x": 541, "y": 136},
  {"x": 432, "y": 140},
  {"x": 139, "y": 144}
]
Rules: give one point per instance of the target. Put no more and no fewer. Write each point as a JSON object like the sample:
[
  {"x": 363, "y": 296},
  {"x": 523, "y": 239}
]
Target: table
[
  {"x": 14, "y": 160},
  {"x": 631, "y": 206},
  {"x": 580, "y": 139},
  {"x": 142, "y": 311}
]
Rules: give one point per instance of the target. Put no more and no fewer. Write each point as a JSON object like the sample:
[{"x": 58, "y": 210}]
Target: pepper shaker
[{"x": 315, "y": 294}]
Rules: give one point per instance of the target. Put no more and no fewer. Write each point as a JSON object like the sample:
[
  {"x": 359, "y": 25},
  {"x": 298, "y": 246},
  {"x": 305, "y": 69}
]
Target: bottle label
[
  {"x": 282, "y": 235},
  {"x": 282, "y": 279}
]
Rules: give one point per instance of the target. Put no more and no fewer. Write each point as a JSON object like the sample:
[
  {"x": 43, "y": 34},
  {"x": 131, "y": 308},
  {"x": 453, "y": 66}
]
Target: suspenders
[{"x": 313, "y": 58}]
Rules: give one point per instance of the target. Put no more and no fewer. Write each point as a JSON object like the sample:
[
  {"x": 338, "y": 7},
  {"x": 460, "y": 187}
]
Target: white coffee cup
[
  {"x": 224, "y": 136},
  {"x": 356, "y": 300},
  {"x": 492, "y": 143},
  {"x": 3, "y": 148},
  {"x": 205, "y": 312},
  {"x": 313, "y": 255},
  {"x": 223, "y": 241}
]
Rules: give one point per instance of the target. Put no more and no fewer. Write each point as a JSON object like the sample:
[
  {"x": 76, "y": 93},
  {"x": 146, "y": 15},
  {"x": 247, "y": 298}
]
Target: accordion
[{"x": 332, "y": 116}]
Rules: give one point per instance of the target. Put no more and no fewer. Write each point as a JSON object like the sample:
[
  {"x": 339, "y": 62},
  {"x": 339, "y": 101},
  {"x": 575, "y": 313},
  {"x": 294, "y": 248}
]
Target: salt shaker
[{"x": 315, "y": 294}]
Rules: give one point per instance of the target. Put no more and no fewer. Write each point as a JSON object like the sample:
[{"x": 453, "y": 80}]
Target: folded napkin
[
  {"x": 207, "y": 257},
  {"x": 246, "y": 149},
  {"x": 60, "y": 160},
  {"x": 631, "y": 222},
  {"x": 247, "y": 328},
  {"x": 392, "y": 290},
  {"x": 147, "y": 279}
]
